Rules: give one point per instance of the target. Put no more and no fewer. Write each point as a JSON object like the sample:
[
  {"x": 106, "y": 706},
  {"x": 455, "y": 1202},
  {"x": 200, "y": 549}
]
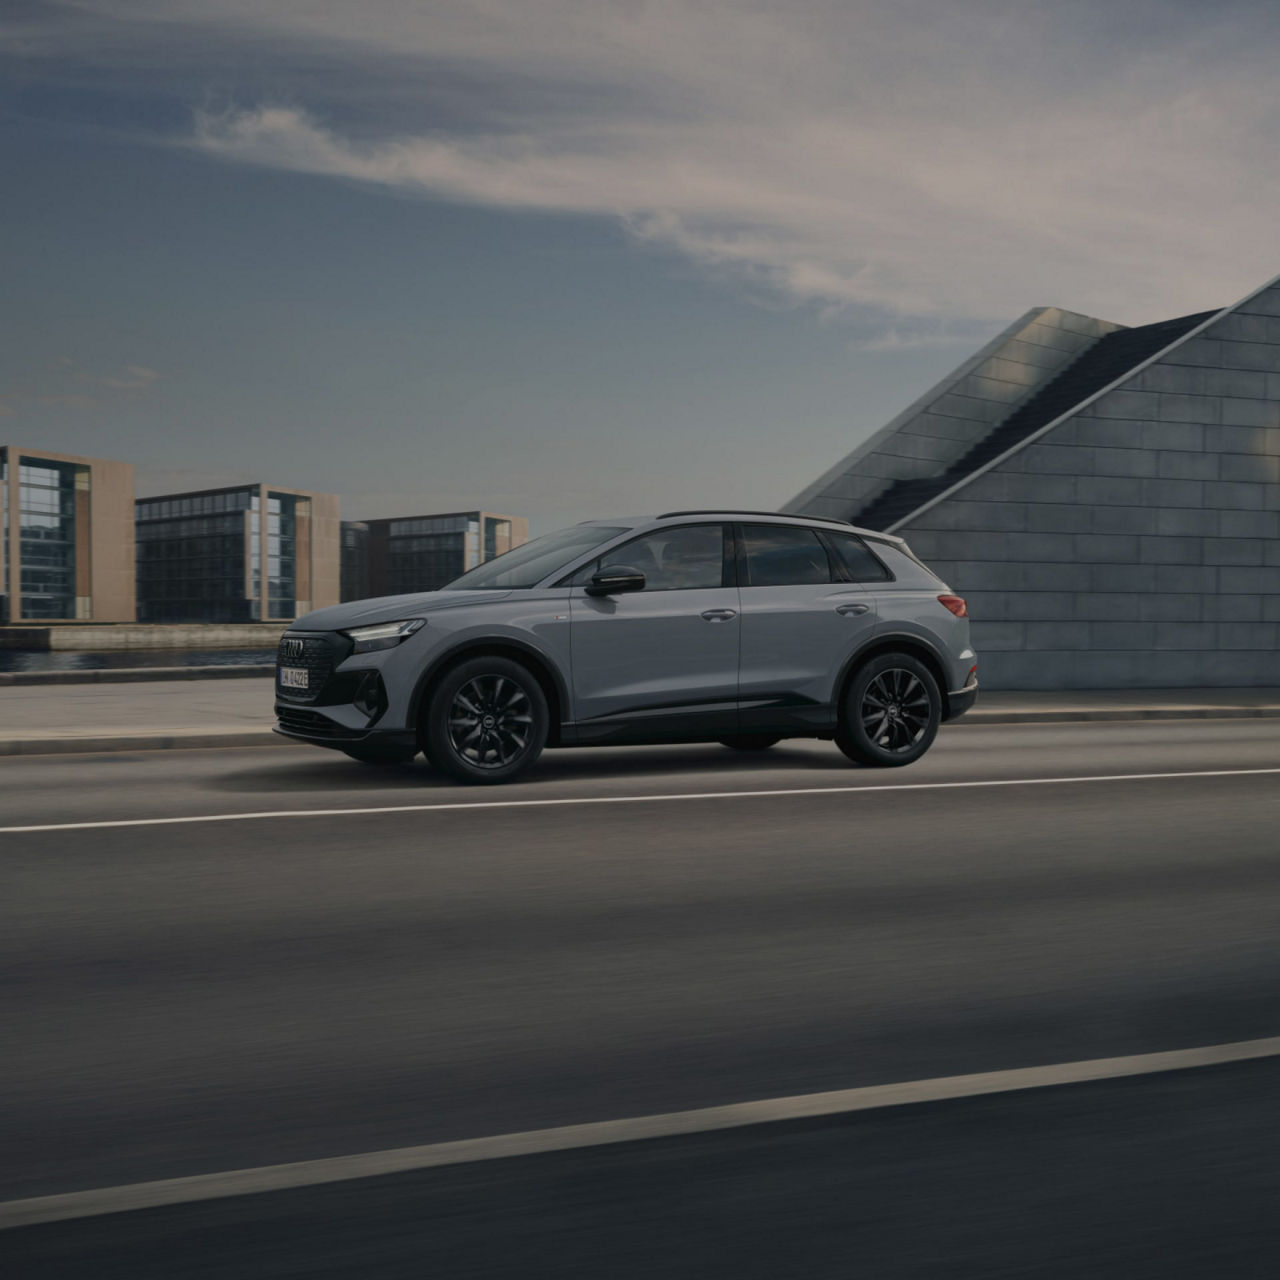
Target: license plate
[{"x": 293, "y": 677}]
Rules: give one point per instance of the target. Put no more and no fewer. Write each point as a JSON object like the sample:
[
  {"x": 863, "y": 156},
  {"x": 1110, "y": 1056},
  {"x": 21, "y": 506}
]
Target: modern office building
[
  {"x": 1106, "y": 498},
  {"x": 422, "y": 553},
  {"x": 355, "y": 560},
  {"x": 67, "y": 538},
  {"x": 249, "y": 553}
]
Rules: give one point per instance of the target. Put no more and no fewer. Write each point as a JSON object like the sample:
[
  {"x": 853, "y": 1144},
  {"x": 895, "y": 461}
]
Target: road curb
[
  {"x": 135, "y": 675},
  {"x": 1067, "y": 716},
  {"x": 96, "y": 743},
  {"x": 141, "y": 742}
]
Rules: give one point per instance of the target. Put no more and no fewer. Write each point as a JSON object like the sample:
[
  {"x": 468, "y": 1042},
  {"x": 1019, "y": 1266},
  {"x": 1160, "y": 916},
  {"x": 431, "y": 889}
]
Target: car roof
[{"x": 739, "y": 513}]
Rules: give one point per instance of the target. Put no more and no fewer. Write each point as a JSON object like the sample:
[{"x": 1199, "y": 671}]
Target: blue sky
[{"x": 562, "y": 258}]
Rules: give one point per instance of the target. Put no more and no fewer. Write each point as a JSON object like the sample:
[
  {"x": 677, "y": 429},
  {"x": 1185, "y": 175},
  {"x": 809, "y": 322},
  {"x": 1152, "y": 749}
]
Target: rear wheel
[
  {"x": 380, "y": 755},
  {"x": 891, "y": 712},
  {"x": 486, "y": 721},
  {"x": 750, "y": 741}
]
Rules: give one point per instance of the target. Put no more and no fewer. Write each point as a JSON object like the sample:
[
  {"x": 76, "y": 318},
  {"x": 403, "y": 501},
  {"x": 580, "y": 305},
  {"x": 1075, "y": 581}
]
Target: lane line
[
  {"x": 449, "y": 806},
  {"x": 371, "y": 1164}
]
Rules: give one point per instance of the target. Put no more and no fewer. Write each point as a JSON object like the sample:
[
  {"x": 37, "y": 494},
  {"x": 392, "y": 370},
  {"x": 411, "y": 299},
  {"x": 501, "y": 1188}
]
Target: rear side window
[
  {"x": 780, "y": 555},
  {"x": 858, "y": 561}
]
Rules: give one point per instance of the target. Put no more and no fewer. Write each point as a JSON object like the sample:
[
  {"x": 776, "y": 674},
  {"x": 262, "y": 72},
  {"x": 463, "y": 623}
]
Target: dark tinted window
[
  {"x": 862, "y": 566},
  {"x": 780, "y": 555},
  {"x": 685, "y": 558}
]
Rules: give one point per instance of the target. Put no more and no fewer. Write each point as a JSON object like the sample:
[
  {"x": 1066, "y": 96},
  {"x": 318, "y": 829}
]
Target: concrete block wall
[
  {"x": 1136, "y": 544},
  {"x": 941, "y": 426}
]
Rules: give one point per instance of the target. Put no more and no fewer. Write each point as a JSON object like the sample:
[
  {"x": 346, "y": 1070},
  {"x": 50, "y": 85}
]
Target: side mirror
[{"x": 614, "y": 580}]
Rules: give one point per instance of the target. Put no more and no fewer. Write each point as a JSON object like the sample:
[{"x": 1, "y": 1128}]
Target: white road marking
[
  {"x": 651, "y": 799},
  {"x": 371, "y": 1164}
]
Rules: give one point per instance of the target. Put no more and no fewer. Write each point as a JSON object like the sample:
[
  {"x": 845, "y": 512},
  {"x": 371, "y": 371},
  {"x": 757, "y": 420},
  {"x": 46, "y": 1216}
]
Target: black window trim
[{"x": 838, "y": 560}]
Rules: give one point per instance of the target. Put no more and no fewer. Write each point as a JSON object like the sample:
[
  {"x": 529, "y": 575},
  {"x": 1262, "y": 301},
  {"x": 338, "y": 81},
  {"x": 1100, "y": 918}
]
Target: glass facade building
[
  {"x": 355, "y": 561},
  {"x": 64, "y": 547},
  {"x": 47, "y": 502},
  {"x": 252, "y": 553},
  {"x": 422, "y": 553}
]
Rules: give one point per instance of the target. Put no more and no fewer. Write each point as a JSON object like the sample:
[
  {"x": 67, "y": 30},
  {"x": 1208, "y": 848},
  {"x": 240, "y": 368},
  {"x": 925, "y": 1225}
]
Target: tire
[
  {"x": 891, "y": 712},
  {"x": 380, "y": 755},
  {"x": 486, "y": 721},
  {"x": 750, "y": 741}
]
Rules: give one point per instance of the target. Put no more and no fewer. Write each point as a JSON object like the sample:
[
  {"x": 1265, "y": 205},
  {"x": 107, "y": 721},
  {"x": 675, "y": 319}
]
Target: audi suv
[{"x": 735, "y": 627}]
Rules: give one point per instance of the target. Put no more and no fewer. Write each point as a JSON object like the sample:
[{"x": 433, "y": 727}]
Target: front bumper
[
  {"x": 318, "y": 734},
  {"x": 339, "y": 708},
  {"x": 961, "y": 700},
  {"x": 307, "y": 724}
]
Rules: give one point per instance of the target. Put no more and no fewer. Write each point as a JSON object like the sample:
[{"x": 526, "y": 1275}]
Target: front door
[{"x": 662, "y": 663}]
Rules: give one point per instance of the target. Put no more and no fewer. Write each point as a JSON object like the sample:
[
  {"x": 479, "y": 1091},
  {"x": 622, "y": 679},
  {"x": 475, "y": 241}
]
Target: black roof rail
[{"x": 737, "y": 511}]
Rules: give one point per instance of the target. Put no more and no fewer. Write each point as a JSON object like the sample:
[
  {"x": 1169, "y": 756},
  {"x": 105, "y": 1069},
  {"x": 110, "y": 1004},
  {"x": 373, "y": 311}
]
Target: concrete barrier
[
  {"x": 133, "y": 675},
  {"x": 140, "y": 635}
]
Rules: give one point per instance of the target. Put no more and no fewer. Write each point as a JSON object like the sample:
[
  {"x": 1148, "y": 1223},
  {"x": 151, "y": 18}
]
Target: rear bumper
[{"x": 961, "y": 700}]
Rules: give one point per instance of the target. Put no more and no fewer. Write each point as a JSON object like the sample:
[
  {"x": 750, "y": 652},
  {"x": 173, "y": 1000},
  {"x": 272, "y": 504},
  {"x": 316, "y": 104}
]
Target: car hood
[{"x": 363, "y": 613}]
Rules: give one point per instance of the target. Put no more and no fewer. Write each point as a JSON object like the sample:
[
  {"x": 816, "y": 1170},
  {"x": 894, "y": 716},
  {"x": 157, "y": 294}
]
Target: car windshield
[{"x": 527, "y": 565}]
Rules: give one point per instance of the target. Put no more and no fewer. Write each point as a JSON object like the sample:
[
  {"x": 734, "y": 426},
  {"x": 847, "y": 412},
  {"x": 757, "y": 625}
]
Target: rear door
[
  {"x": 803, "y": 614},
  {"x": 660, "y": 663}
]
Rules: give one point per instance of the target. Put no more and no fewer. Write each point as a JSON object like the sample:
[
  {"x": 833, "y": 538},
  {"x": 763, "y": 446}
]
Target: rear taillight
[{"x": 956, "y": 604}]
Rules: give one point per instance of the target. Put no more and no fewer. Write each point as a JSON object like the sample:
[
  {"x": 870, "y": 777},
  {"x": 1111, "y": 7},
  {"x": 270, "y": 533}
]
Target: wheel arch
[
  {"x": 542, "y": 668},
  {"x": 897, "y": 642}
]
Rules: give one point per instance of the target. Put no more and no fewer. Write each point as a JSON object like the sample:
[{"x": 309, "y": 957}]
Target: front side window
[
  {"x": 531, "y": 562},
  {"x": 686, "y": 558},
  {"x": 780, "y": 555}
]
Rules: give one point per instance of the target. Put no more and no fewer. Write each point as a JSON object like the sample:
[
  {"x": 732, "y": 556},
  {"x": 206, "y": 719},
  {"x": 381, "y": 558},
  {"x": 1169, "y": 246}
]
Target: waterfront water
[{"x": 94, "y": 660}]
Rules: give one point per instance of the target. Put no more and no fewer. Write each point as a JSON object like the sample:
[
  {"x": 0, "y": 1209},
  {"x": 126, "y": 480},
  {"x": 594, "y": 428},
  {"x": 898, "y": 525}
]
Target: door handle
[
  {"x": 852, "y": 610},
  {"x": 720, "y": 615}
]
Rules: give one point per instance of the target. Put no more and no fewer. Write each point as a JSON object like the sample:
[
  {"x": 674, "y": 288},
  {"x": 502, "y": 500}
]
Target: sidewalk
[
  {"x": 37, "y": 720},
  {"x": 44, "y": 719}
]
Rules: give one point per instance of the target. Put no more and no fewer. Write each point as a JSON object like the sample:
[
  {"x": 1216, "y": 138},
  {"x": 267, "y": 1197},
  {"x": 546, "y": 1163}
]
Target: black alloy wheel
[
  {"x": 751, "y": 741},
  {"x": 486, "y": 721},
  {"x": 891, "y": 712},
  {"x": 380, "y": 755}
]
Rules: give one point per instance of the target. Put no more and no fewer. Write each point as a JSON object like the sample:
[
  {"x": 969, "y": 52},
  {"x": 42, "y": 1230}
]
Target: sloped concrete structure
[{"x": 1106, "y": 498}]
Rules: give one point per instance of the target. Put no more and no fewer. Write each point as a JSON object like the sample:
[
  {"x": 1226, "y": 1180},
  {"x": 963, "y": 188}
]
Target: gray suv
[{"x": 695, "y": 626}]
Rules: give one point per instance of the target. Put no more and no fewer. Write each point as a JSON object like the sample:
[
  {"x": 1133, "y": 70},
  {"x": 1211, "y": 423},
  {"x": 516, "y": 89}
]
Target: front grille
[
  {"x": 315, "y": 654},
  {"x": 311, "y": 724}
]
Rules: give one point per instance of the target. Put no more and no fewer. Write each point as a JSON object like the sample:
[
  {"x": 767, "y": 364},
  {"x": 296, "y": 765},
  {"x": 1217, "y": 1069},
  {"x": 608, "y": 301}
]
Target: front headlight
[{"x": 383, "y": 635}]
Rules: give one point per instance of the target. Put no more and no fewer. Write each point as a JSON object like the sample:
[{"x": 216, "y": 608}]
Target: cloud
[
  {"x": 65, "y": 385},
  {"x": 922, "y": 160},
  {"x": 70, "y": 401},
  {"x": 134, "y": 377},
  {"x": 893, "y": 339}
]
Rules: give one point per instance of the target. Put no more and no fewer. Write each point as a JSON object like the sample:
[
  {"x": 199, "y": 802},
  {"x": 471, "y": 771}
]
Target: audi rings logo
[{"x": 290, "y": 647}]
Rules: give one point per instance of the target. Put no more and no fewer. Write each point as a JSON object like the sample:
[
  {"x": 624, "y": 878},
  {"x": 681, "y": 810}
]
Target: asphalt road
[
  {"x": 1150, "y": 1179},
  {"x": 181, "y": 999}
]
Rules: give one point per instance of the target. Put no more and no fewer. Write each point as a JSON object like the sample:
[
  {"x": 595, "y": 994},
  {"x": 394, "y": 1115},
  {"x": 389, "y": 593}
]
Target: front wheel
[
  {"x": 891, "y": 712},
  {"x": 486, "y": 721}
]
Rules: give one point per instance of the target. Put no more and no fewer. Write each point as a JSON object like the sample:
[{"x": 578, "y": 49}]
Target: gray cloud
[
  {"x": 66, "y": 385},
  {"x": 934, "y": 162}
]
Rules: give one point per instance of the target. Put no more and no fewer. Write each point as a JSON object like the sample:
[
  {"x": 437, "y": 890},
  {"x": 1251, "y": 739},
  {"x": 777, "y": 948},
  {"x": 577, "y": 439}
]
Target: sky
[{"x": 573, "y": 258}]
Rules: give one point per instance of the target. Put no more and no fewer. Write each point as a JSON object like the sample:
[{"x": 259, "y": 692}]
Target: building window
[
  {"x": 283, "y": 511},
  {"x": 47, "y": 539}
]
